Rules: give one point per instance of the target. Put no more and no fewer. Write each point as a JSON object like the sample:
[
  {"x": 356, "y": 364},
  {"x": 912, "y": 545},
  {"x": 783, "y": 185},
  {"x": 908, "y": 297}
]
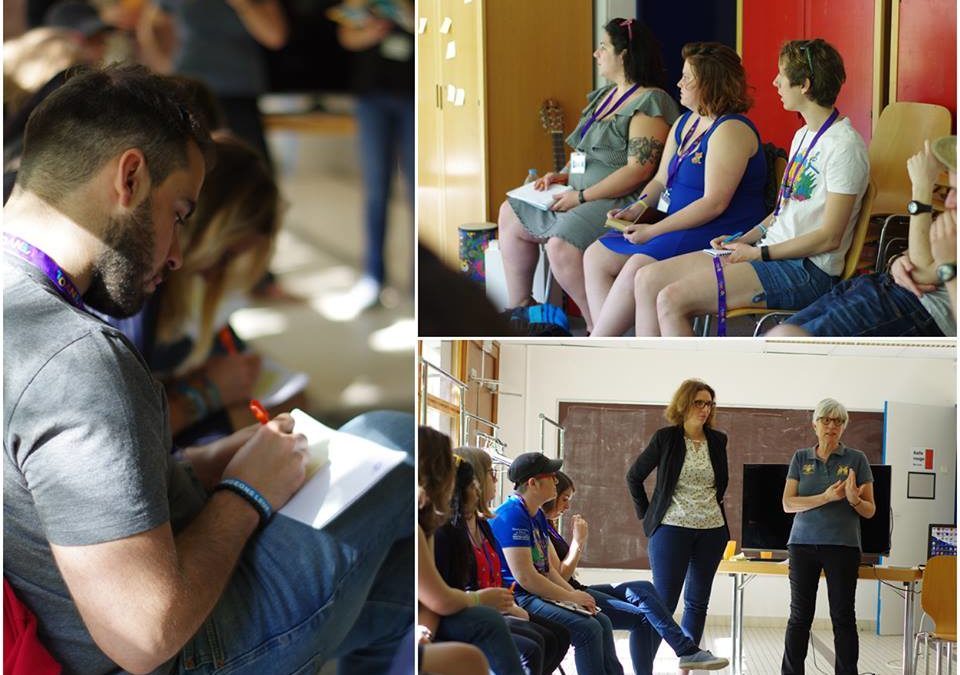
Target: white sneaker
[
  {"x": 347, "y": 305},
  {"x": 702, "y": 660}
]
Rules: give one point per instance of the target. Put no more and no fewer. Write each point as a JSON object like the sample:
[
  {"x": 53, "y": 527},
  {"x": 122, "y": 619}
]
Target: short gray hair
[{"x": 830, "y": 407}]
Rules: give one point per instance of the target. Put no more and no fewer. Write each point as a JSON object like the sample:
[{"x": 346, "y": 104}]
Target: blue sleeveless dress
[{"x": 745, "y": 210}]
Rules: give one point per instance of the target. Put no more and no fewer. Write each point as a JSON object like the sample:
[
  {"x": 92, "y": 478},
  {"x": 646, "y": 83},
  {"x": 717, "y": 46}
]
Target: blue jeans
[
  {"x": 792, "y": 283},
  {"x": 386, "y": 137},
  {"x": 872, "y": 305},
  {"x": 636, "y": 606},
  {"x": 683, "y": 554},
  {"x": 592, "y": 636},
  {"x": 486, "y": 629},
  {"x": 301, "y": 596}
]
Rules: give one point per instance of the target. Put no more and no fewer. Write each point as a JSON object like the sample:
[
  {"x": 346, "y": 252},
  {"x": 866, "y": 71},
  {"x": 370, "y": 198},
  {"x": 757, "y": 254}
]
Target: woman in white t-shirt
[{"x": 797, "y": 253}]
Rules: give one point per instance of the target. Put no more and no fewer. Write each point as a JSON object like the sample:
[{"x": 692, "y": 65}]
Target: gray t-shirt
[
  {"x": 215, "y": 46},
  {"x": 86, "y": 452},
  {"x": 837, "y": 522},
  {"x": 938, "y": 304}
]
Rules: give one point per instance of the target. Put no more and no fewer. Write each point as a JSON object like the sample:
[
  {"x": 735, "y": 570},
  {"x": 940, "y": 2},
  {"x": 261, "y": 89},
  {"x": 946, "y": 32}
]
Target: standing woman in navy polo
[
  {"x": 829, "y": 487},
  {"x": 684, "y": 520}
]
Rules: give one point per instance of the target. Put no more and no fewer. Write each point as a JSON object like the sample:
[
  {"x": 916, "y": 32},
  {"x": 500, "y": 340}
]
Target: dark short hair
[
  {"x": 642, "y": 57},
  {"x": 721, "y": 79},
  {"x": 827, "y": 74},
  {"x": 98, "y": 114}
]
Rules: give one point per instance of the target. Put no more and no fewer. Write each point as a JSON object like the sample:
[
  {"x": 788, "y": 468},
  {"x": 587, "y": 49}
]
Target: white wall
[{"x": 546, "y": 374}]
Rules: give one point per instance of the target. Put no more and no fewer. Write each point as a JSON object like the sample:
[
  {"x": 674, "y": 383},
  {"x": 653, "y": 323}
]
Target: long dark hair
[
  {"x": 434, "y": 465},
  {"x": 462, "y": 565},
  {"x": 642, "y": 59}
]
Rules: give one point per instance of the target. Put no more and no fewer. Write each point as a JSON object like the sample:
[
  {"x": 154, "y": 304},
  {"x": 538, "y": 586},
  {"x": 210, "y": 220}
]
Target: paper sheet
[
  {"x": 355, "y": 465},
  {"x": 423, "y": 25},
  {"x": 542, "y": 199},
  {"x": 717, "y": 252},
  {"x": 445, "y": 26},
  {"x": 451, "y": 50},
  {"x": 460, "y": 97}
]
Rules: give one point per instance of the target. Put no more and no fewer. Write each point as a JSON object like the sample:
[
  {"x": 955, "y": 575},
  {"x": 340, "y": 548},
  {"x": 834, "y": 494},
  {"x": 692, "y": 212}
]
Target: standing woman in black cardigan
[{"x": 684, "y": 521}]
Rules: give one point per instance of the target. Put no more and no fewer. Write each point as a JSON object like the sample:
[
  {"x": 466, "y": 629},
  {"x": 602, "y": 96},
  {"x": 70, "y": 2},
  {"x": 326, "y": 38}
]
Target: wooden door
[{"x": 429, "y": 142}]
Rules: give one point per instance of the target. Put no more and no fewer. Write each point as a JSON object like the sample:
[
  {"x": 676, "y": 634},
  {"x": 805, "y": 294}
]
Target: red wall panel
[
  {"x": 766, "y": 26},
  {"x": 927, "y": 55},
  {"x": 847, "y": 26}
]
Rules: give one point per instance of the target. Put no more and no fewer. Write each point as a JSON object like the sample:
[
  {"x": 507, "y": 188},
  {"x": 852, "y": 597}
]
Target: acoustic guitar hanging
[{"x": 551, "y": 117}]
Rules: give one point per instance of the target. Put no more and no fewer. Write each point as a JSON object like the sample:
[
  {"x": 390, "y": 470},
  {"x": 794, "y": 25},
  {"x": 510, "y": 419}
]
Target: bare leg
[
  {"x": 618, "y": 308},
  {"x": 786, "y": 330},
  {"x": 520, "y": 254},
  {"x": 697, "y": 294},
  {"x": 450, "y": 658},
  {"x": 600, "y": 267},
  {"x": 650, "y": 280},
  {"x": 566, "y": 265}
]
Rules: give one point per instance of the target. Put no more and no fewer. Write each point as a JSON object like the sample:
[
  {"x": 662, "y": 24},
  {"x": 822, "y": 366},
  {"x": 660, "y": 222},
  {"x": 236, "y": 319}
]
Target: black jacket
[{"x": 665, "y": 453}]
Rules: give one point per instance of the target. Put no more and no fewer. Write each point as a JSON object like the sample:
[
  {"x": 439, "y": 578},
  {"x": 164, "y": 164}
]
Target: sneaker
[
  {"x": 702, "y": 660},
  {"x": 347, "y": 305}
]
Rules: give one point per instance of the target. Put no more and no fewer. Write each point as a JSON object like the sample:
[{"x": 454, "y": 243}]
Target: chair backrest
[
  {"x": 776, "y": 164},
  {"x": 900, "y": 132},
  {"x": 939, "y": 595},
  {"x": 859, "y": 232}
]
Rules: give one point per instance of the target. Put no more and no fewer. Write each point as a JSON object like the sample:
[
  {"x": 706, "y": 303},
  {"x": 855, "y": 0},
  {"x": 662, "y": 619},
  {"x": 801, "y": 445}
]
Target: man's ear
[{"x": 131, "y": 182}]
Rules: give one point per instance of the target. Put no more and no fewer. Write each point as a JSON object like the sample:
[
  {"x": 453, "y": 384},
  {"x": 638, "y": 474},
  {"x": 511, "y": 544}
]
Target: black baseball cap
[
  {"x": 75, "y": 15},
  {"x": 531, "y": 464}
]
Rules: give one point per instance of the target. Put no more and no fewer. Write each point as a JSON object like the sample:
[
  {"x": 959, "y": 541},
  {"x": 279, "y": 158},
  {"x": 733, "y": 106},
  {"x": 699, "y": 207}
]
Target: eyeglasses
[
  {"x": 806, "y": 50},
  {"x": 835, "y": 421},
  {"x": 700, "y": 405}
]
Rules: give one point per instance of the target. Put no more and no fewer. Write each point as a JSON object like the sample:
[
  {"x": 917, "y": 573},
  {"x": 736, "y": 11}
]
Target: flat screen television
[{"x": 765, "y": 527}]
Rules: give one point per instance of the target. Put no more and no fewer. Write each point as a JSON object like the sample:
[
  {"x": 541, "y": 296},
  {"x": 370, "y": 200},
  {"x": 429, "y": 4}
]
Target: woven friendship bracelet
[{"x": 254, "y": 498}]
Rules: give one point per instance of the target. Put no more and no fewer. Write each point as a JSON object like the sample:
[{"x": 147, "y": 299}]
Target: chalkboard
[{"x": 602, "y": 440}]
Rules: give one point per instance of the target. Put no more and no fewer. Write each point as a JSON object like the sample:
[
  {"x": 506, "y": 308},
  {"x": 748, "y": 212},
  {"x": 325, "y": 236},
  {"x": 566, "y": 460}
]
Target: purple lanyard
[
  {"x": 45, "y": 264},
  {"x": 598, "y": 112},
  {"x": 721, "y": 299},
  {"x": 685, "y": 150},
  {"x": 794, "y": 167}
]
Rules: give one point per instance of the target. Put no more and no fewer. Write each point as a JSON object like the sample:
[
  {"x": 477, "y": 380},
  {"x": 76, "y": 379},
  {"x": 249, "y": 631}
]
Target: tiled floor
[
  {"x": 355, "y": 365},
  {"x": 763, "y": 649}
]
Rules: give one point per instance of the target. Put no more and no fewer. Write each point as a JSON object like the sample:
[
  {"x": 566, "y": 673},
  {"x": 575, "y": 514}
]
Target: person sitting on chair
[{"x": 797, "y": 253}]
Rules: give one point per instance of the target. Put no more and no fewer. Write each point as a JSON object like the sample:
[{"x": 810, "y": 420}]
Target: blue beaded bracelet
[{"x": 254, "y": 498}]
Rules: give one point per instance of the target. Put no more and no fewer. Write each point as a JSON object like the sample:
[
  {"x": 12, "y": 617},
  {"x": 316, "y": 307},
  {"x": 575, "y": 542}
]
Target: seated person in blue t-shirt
[
  {"x": 913, "y": 299},
  {"x": 631, "y": 604},
  {"x": 521, "y": 529}
]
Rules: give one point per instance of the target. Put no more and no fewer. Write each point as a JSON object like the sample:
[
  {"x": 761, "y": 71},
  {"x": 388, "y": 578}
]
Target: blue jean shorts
[
  {"x": 793, "y": 283},
  {"x": 870, "y": 305}
]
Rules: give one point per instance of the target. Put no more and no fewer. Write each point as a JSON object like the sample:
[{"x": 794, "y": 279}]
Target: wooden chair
[
  {"x": 849, "y": 267},
  {"x": 939, "y": 601},
  {"x": 901, "y": 130}
]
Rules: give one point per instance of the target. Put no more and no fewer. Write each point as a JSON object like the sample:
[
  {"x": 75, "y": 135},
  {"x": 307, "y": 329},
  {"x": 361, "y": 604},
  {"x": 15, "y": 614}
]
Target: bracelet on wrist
[
  {"x": 250, "y": 494},
  {"x": 581, "y": 197},
  {"x": 857, "y": 504}
]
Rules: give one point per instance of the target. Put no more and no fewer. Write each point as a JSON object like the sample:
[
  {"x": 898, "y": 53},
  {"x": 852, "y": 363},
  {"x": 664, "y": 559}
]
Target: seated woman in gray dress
[{"x": 616, "y": 150}]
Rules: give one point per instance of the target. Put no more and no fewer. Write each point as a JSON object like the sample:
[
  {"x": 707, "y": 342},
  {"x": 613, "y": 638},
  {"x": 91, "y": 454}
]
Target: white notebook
[
  {"x": 353, "y": 465},
  {"x": 541, "y": 199},
  {"x": 717, "y": 252}
]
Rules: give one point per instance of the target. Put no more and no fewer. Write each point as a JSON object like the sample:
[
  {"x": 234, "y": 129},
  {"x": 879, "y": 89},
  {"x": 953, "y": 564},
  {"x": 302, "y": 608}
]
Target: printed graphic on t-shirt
[
  {"x": 539, "y": 552},
  {"x": 806, "y": 183}
]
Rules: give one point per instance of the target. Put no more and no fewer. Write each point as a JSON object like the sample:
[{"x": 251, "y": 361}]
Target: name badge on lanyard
[
  {"x": 578, "y": 162},
  {"x": 664, "y": 204}
]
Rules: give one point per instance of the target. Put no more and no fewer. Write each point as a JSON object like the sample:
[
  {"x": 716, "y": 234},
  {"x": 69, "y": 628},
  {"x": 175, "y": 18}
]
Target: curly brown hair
[
  {"x": 818, "y": 61},
  {"x": 721, "y": 79},
  {"x": 434, "y": 476},
  {"x": 683, "y": 398}
]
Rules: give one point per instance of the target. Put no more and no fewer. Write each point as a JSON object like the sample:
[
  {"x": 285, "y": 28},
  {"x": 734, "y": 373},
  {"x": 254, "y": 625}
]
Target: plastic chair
[
  {"x": 939, "y": 601},
  {"x": 901, "y": 130},
  {"x": 849, "y": 267}
]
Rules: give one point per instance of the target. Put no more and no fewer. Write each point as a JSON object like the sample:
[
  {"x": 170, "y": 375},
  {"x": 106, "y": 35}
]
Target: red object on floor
[{"x": 23, "y": 653}]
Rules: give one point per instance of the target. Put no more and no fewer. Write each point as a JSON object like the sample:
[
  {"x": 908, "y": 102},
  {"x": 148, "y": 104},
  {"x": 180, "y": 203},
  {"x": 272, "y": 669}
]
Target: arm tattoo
[{"x": 647, "y": 150}]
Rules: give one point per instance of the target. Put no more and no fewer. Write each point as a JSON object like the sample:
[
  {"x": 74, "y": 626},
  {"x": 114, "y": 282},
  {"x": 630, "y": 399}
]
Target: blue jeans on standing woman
[
  {"x": 636, "y": 606},
  {"x": 683, "y": 554},
  {"x": 300, "y": 596},
  {"x": 386, "y": 139}
]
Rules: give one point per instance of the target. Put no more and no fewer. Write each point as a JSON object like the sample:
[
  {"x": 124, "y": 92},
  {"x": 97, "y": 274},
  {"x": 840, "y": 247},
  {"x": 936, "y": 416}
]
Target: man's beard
[{"x": 117, "y": 287}]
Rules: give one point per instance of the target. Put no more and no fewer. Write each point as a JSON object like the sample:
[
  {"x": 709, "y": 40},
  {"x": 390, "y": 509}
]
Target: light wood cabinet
[{"x": 510, "y": 57}]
